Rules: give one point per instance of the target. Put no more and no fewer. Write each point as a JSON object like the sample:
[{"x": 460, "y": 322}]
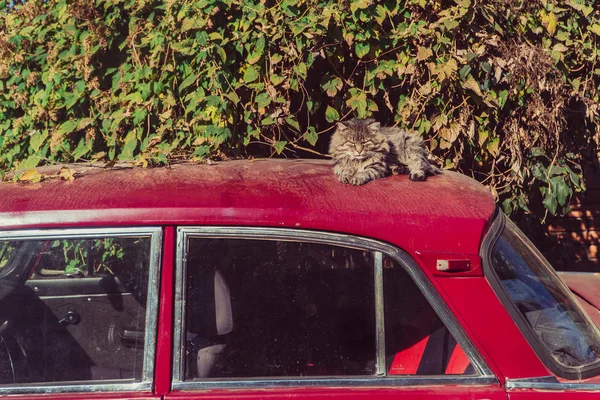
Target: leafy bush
[{"x": 504, "y": 89}]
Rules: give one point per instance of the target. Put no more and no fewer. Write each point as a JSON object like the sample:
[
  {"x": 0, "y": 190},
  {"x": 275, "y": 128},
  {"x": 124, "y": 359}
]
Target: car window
[
  {"x": 267, "y": 308},
  {"x": 417, "y": 341},
  {"x": 544, "y": 302},
  {"x": 73, "y": 309}
]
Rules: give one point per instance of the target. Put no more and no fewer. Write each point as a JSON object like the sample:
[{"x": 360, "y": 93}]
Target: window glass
[
  {"x": 261, "y": 308},
  {"x": 544, "y": 301},
  {"x": 417, "y": 342},
  {"x": 79, "y": 258},
  {"x": 267, "y": 308},
  {"x": 72, "y": 309}
]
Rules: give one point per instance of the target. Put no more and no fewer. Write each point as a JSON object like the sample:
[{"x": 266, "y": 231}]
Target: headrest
[
  {"x": 223, "y": 313},
  {"x": 209, "y": 311}
]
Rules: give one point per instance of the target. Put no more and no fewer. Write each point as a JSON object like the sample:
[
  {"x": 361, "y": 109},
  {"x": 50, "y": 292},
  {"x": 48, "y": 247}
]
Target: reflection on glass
[
  {"x": 545, "y": 302},
  {"x": 73, "y": 310},
  {"x": 271, "y": 308}
]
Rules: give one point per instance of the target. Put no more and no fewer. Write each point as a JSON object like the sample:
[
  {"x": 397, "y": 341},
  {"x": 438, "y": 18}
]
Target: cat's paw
[
  {"x": 399, "y": 170},
  {"x": 357, "y": 181},
  {"x": 417, "y": 176},
  {"x": 346, "y": 178}
]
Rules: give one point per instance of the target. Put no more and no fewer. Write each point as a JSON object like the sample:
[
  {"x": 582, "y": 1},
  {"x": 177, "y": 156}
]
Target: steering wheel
[{"x": 14, "y": 360}]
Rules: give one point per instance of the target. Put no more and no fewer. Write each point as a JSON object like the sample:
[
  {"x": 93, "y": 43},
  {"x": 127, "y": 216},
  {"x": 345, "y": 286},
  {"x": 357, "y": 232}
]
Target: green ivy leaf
[
  {"x": 356, "y": 5},
  {"x": 280, "y": 146},
  {"x": 595, "y": 28},
  {"x": 291, "y": 121},
  {"x": 561, "y": 190},
  {"x": 250, "y": 75},
  {"x": 129, "y": 145},
  {"x": 301, "y": 70},
  {"x": 332, "y": 86},
  {"x": 263, "y": 100},
  {"x": 186, "y": 82},
  {"x": 67, "y": 127},
  {"x": 37, "y": 140},
  {"x": 331, "y": 114},
  {"x": 362, "y": 49},
  {"x": 311, "y": 136},
  {"x": 358, "y": 102},
  {"x": 493, "y": 146},
  {"x": 550, "y": 203}
]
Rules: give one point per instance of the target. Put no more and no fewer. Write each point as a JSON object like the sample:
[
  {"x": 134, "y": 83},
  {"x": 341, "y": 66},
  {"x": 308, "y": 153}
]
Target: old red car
[{"x": 271, "y": 280}]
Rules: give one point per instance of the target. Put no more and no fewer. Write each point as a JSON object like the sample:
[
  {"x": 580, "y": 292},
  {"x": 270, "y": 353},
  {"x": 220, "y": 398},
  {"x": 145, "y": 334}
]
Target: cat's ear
[
  {"x": 341, "y": 126},
  {"x": 374, "y": 126}
]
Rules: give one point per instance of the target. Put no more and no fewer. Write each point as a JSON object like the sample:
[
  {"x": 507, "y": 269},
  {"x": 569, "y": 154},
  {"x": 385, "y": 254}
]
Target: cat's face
[{"x": 357, "y": 140}]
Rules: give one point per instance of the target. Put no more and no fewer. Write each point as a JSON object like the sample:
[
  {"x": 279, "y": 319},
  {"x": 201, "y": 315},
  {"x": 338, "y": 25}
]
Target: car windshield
[{"x": 544, "y": 301}]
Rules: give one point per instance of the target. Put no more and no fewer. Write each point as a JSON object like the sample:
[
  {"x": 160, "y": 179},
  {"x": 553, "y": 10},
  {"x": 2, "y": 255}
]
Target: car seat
[{"x": 209, "y": 320}]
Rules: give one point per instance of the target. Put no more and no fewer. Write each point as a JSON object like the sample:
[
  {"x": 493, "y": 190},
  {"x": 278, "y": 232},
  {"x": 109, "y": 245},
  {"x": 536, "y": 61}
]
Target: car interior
[
  {"x": 58, "y": 326},
  {"x": 260, "y": 308}
]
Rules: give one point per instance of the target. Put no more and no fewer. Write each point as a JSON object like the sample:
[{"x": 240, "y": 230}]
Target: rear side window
[
  {"x": 563, "y": 335},
  {"x": 73, "y": 310},
  {"x": 267, "y": 308}
]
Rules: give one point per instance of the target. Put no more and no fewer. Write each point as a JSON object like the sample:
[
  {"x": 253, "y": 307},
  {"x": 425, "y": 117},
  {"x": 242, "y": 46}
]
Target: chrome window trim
[
  {"x": 483, "y": 375},
  {"x": 155, "y": 234},
  {"x": 78, "y": 296},
  {"x": 379, "y": 313},
  {"x": 549, "y": 383},
  {"x": 342, "y": 381},
  {"x": 83, "y": 387}
]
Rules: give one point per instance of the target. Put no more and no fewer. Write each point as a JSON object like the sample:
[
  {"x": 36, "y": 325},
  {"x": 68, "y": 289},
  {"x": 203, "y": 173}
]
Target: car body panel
[
  {"x": 87, "y": 396},
  {"x": 536, "y": 394},
  {"x": 474, "y": 300},
  {"x": 446, "y": 392},
  {"x": 448, "y": 213},
  {"x": 586, "y": 286},
  {"x": 164, "y": 343},
  {"x": 444, "y": 218}
]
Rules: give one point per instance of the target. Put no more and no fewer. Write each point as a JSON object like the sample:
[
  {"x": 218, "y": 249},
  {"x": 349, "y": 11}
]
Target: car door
[
  {"x": 274, "y": 313},
  {"x": 78, "y": 312}
]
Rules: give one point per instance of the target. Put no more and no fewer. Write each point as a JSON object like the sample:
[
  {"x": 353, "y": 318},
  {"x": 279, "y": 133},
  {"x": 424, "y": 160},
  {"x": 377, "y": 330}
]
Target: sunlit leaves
[
  {"x": 203, "y": 78},
  {"x": 331, "y": 114}
]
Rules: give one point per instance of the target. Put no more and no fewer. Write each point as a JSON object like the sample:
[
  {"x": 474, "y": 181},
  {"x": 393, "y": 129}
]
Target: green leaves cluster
[
  {"x": 77, "y": 255},
  {"x": 504, "y": 89}
]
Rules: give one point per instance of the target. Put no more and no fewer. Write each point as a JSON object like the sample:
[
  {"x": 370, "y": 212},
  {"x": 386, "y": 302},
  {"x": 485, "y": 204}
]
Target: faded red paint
[
  {"x": 85, "y": 396},
  {"x": 529, "y": 394},
  {"x": 446, "y": 213},
  {"x": 164, "y": 341},
  {"x": 444, "y": 217},
  {"x": 447, "y": 392},
  {"x": 493, "y": 330},
  {"x": 585, "y": 285}
]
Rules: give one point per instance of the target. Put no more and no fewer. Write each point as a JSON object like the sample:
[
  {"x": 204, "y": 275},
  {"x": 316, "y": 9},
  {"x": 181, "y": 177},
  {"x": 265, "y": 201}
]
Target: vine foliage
[{"x": 505, "y": 90}]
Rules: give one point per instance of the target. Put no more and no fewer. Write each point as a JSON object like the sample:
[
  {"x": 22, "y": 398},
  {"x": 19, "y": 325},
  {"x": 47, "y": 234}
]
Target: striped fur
[{"x": 363, "y": 151}]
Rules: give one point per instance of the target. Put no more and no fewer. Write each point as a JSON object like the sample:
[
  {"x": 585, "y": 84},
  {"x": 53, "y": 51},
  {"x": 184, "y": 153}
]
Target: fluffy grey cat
[{"x": 363, "y": 150}]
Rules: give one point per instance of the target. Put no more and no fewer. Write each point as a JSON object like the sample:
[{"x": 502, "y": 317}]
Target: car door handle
[{"x": 70, "y": 318}]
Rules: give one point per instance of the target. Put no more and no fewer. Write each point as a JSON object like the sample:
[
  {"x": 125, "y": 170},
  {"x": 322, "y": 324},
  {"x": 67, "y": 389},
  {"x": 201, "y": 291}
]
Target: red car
[{"x": 272, "y": 280}]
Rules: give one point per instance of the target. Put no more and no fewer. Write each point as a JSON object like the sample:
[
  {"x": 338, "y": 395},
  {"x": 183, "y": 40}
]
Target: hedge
[{"x": 505, "y": 90}]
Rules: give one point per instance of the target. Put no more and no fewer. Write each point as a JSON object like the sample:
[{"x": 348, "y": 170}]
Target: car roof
[{"x": 448, "y": 212}]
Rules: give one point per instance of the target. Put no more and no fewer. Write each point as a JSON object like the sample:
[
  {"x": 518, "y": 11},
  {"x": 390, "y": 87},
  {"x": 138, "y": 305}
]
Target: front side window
[
  {"x": 269, "y": 308},
  {"x": 73, "y": 310},
  {"x": 562, "y": 333}
]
